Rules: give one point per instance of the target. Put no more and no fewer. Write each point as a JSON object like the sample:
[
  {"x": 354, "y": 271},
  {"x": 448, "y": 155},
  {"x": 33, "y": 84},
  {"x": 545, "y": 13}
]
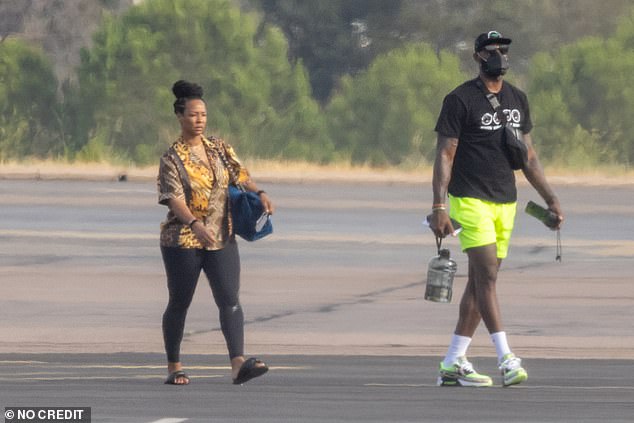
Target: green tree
[
  {"x": 29, "y": 112},
  {"x": 583, "y": 99},
  {"x": 387, "y": 114},
  {"x": 251, "y": 89},
  {"x": 342, "y": 37},
  {"x": 330, "y": 37}
]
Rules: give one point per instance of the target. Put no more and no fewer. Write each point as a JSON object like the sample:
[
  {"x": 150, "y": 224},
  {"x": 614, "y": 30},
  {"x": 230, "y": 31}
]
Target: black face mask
[{"x": 496, "y": 65}]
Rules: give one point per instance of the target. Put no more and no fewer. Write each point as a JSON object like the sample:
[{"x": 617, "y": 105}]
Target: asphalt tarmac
[
  {"x": 128, "y": 388},
  {"x": 333, "y": 302}
]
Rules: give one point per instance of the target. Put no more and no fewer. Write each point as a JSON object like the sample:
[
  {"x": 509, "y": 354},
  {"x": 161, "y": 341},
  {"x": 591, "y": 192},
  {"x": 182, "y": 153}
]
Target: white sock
[
  {"x": 457, "y": 348},
  {"x": 501, "y": 344}
]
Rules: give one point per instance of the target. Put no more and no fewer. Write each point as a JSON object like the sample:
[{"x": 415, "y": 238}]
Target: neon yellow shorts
[{"x": 483, "y": 222}]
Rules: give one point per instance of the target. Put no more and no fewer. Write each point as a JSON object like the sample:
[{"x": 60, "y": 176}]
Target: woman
[{"x": 198, "y": 235}]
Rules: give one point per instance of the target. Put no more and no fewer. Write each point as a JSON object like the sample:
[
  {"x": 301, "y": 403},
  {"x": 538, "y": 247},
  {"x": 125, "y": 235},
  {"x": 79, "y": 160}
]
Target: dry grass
[{"x": 267, "y": 170}]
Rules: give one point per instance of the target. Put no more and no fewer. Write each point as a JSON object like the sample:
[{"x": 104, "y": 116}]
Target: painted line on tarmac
[
  {"x": 398, "y": 385},
  {"x": 104, "y": 366},
  {"x": 116, "y": 366},
  {"x": 22, "y": 373},
  {"x": 144, "y": 366},
  {"x": 76, "y": 235},
  {"x": 567, "y": 387},
  {"x": 368, "y": 239},
  {"x": 297, "y": 237},
  {"x": 169, "y": 420},
  {"x": 130, "y": 366},
  {"x": 582, "y": 388},
  {"x": 58, "y": 378}
]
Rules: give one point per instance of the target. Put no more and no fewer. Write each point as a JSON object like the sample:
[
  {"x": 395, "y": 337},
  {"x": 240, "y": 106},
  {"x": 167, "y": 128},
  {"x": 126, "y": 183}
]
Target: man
[{"x": 472, "y": 169}]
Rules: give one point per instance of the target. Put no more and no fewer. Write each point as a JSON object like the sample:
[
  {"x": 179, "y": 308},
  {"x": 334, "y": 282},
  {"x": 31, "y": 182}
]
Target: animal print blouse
[{"x": 209, "y": 197}]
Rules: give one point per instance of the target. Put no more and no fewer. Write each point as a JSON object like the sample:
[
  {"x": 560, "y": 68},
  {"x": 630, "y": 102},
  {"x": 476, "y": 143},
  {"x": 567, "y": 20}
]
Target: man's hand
[
  {"x": 440, "y": 224},
  {"x": 555, "y": 207}
]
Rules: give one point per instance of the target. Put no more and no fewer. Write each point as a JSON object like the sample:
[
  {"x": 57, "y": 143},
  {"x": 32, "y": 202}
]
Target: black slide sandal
[{"x": 250, "y": 370}]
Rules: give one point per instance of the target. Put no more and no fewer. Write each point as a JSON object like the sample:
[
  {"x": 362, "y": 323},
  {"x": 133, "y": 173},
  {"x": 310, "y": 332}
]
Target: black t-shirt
[{"x": 481, "y": 169}]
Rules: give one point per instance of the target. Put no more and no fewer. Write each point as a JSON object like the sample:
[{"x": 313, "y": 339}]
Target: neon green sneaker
[
  {"x": 461, "y": 373},
  {"x": 512, "y": 370}
]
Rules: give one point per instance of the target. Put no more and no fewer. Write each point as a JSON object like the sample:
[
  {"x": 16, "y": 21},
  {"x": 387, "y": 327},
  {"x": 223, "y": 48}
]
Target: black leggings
[{"x": 222, "y": 267}]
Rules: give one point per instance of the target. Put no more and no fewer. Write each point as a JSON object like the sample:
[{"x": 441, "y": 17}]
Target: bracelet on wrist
[
  {"x": 440, "y": 208},
  {"x": 191, "y": 223}
]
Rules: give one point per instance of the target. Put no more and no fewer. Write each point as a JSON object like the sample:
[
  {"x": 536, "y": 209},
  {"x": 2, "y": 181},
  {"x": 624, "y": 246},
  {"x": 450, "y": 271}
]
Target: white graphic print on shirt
[{"x": 491, "y": 122}]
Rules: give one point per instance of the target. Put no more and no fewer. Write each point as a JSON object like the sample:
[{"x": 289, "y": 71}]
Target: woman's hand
[
  {"x": 266, "y": 202},
  {"x": 182, "y": 213},
  {"x": 202, "y": 233}
]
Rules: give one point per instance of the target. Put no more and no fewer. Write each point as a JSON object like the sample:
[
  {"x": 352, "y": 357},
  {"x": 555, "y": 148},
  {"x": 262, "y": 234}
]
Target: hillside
[{"x": 60, "y": 27}]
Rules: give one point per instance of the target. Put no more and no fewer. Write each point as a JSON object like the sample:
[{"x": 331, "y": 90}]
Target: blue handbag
[{"x": 250, "y": 220}]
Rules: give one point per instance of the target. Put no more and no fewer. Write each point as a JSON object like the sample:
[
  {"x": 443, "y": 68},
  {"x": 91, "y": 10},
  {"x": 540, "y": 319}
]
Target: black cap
[{"x": 491, "y": 37}]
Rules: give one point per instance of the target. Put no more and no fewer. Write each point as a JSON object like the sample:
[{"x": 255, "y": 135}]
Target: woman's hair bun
[{"x": 184, "y": 89}]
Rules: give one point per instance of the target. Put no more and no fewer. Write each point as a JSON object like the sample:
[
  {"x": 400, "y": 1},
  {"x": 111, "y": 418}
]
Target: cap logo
[{"x": 494, "y": 34}]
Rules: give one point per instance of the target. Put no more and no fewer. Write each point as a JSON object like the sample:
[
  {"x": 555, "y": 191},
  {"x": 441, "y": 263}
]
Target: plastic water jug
[{"x": 440, "y": 273}]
